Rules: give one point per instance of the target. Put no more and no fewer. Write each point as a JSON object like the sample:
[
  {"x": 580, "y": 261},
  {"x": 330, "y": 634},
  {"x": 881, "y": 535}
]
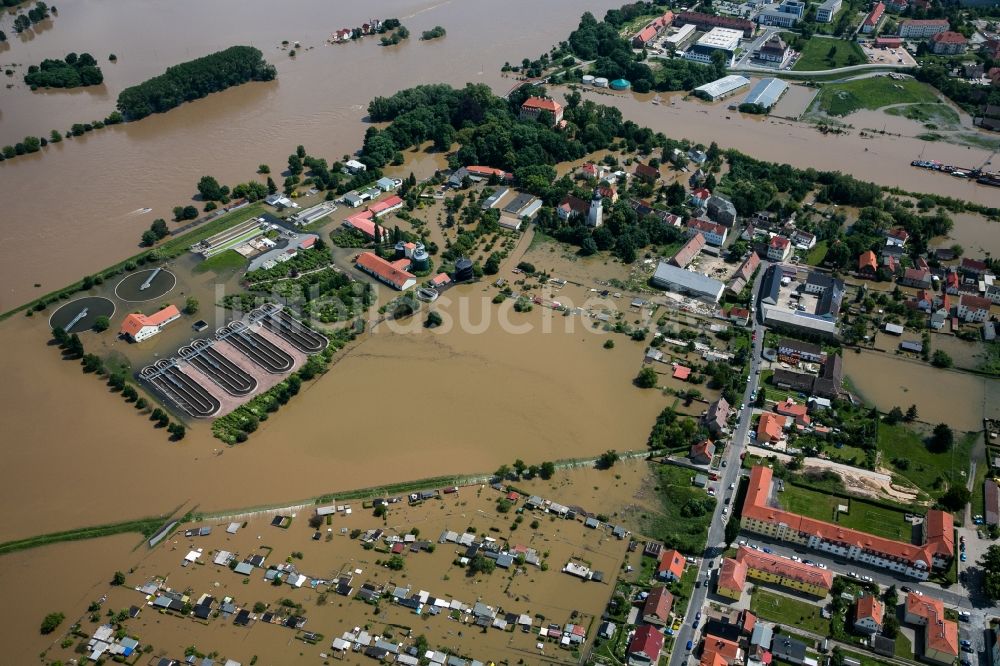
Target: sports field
[{"x": 861, "y": 515}]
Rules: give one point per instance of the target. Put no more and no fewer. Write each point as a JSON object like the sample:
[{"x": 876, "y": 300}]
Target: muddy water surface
[
  {"x": 405, "y": 403},
  {"x": 952, "y": 397},
  {"x": 318, "y": 100},
  {"x": 551, "y": 594}
]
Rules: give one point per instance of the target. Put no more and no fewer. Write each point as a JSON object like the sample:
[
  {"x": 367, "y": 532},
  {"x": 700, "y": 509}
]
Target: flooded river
[
  {"x": 72, "y": 225},
  {"x": 82, "y": 191},
  {"x": 883, "y": 160}
]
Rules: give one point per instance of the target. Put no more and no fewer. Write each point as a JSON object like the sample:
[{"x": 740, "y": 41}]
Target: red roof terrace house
[{"x": 533, "y": 107}]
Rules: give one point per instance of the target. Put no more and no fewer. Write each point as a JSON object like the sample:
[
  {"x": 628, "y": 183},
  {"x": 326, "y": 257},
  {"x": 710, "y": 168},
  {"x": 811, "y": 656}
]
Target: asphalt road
[
  {"x": 729, "y": 474},
  {"x": 956, "y": 596}
]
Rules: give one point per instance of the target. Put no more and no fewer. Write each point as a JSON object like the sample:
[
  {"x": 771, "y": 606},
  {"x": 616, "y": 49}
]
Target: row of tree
[
  {"x": 32, "y": 144},
  {"x": 195, "y": 79}
]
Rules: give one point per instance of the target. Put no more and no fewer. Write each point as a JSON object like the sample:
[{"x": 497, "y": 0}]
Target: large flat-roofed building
[
  {"x": 725, "y": 40},
  {"x": 921, "y": 28},
  {"x": 723, "y": 87},
  {"x": 800, "y": 321},
  {"x": 686, "y": 282},
  {"x": 684, "y": 34},
  {"x": 936, "y": 552},
  {"x": 777, "y": 17},
  {"x": 767, "y": 92}
]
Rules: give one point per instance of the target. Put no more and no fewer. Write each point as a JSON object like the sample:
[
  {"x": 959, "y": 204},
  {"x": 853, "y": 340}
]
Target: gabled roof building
[{"x": 936, "y": 551}]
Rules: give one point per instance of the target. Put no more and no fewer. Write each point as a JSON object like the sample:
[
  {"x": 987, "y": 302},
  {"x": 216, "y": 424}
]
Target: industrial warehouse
[{"x": 210, "y": 378}]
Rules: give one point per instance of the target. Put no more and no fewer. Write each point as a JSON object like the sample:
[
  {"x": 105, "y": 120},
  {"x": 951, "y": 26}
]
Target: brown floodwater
[
  {"x": 957, "y": 398},
  {"x": 84, "y": 570},
  {"x": 87, "y": 190},
  {"x": 319, "y": 100},
  {"x": 883, "y": 160},
  {"x": 403, "y": 403},
  {"x": 976, "y": 234}
]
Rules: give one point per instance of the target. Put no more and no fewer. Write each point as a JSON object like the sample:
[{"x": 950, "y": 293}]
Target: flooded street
[{"x": 960, "y": 399}]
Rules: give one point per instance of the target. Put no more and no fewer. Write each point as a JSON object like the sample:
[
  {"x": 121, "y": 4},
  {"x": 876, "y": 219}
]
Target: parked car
[
  {"x": 767, "y": 550},
  {"x": 906, "y": 589},
  {"x": 690, "y": 644}
]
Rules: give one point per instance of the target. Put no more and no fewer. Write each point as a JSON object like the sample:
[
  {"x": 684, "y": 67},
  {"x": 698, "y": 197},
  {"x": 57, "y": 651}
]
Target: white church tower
[{"x": 595, "y": 217}]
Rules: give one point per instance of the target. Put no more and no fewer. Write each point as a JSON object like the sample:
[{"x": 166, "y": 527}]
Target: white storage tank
[
  {"x": 601, "y": 82},
  {"x": 588, "y": 80}
]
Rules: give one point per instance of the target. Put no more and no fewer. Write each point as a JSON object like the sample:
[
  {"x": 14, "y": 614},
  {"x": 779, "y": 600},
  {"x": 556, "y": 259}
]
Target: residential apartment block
[{"x": 936, "y": 552}]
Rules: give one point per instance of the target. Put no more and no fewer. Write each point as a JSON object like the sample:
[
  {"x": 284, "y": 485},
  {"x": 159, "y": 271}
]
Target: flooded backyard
[
  {"x": 952, "y": 397},
  {"x": 542, "y": 592}
]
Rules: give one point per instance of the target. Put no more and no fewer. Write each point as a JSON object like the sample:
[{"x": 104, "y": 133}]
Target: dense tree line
[
  {"x": 71, "y": 72},
  {"x": 195, "y": 79},
  {"x": 968, "y": 96}
]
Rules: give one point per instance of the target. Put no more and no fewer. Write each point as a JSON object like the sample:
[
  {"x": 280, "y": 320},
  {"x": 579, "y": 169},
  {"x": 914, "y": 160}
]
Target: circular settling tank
[
  {"x": 96, "y": 306},
  {"x": 130, "y": 288}
]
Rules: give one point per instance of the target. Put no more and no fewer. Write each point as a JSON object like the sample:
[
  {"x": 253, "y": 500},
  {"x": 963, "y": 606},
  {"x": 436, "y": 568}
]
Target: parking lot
[{"x": 888, "y": 56}]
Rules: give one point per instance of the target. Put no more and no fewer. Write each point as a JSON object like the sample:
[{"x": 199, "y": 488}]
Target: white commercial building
[
  {"x": 682, "y": 281},
  {"x": 725, "y": 40},
  {"x": 683, "y": 34},
  {"x": 720, "y": 88}
]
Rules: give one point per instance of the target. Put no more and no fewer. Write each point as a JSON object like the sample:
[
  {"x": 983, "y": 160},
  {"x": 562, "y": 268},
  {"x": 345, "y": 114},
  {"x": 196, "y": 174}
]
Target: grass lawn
[
  {"x": 978, "y": 492},
  {"x": 224, "y": 261},
  {"x": 817, "y": 254},
  {"x": 677, "y": 523},
  {"x": 816, "y": 55},
  {"x": 904, "y": 450},
  {"x": 939, "y": 114},
  {"x": 788, "y": 611},
  {"x": 861, "y": 515},
  {"x": 841, "y": 99}
]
